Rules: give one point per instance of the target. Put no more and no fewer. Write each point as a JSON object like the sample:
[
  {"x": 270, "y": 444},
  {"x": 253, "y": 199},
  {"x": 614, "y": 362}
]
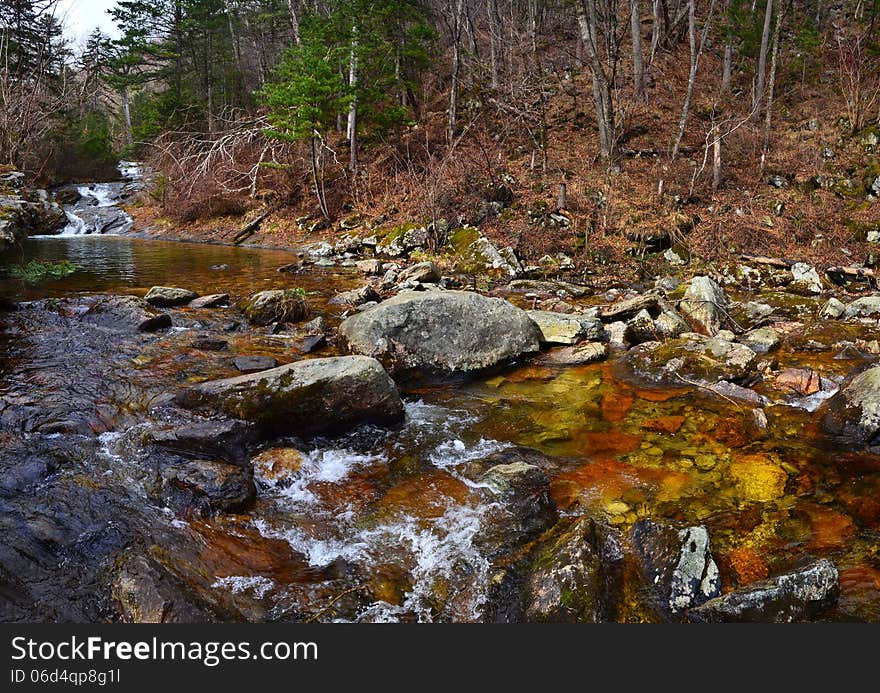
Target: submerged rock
[
  {"x": 676, "y": 564},
  {"x": 445, "y": 332},
  {"x": 560, "y": 328},
  {"x": 524, "y": 491},
  {"x": 126, "y": 313},
  {"x": 854, "y": 412},
  {"x": 796, "y": 596},
  {"x": 168, "y": 296},
  {"x": 705, "y": 306},
  {"x": 692, "y": 357},
  {"x": 276, "y": 305},
  {"x": 307, "y": 397}
]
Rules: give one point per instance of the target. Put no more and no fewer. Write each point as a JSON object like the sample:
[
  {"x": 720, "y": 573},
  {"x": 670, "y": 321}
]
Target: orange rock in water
[
  {"x": 427, "y": 495},
  {"x": 747, "y": 565},
  {"x": 664, "y": 424},
  {"x": 615, "y": 406},
  {"x": 804, "y": 381},
  {"x": 829, "y": 528},
  {"x": 603, "y": 443}
]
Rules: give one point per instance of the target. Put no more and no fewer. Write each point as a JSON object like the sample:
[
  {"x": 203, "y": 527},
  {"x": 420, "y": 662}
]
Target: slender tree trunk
[
  {"x": 126, "y": 116},
  {"x": 656, "y": 19},
  {"x": 294, "y": 21},
  {"x": 696, "y": 52},
  {"x": 727, "y": 65},
  {"x": 761, "y": 77},
  {"x": 771, "y": 87},
  {"x": 351, "y": 129},
  {"x": 638, "y": 67},
  {"x": 492, "y": 14},
  {"x": 716, "y": 159},
  {"x": 452, "y": 121}
]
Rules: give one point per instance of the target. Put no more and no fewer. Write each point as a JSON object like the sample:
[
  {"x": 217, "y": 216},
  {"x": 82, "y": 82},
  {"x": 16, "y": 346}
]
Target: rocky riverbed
[{"x": 377, "y": 442}]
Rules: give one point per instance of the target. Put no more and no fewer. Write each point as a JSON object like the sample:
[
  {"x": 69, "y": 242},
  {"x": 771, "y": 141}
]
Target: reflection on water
[{"x": 119, "y": 264}]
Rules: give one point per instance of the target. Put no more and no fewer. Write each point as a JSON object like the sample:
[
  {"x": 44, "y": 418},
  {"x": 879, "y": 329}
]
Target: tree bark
[
  {"x": 696, "y": 52},
  {"x": 727, "y": 64},
  {"x": 351, "y": 129},
  {"x": 452, "y": 119},
  {"x": 774, "y": 61},
  {"x": 492, "y": 14},
  {"x": 602, "y": 96},
  {"x": 761, "y": 77},
  {"x": 638, "y": 66}
]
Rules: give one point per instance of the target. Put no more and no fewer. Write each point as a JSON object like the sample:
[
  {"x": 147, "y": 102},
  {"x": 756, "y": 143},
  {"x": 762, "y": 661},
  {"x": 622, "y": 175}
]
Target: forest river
[{"x": 375, "y": 524}]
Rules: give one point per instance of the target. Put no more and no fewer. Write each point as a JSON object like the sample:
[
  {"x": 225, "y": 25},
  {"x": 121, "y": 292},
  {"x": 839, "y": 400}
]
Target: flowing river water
[{"x": 384, "y": 525}]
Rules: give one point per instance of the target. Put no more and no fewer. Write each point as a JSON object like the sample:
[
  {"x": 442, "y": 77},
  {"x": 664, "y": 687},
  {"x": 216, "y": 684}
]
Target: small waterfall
[{"x": 97, "y": 211}]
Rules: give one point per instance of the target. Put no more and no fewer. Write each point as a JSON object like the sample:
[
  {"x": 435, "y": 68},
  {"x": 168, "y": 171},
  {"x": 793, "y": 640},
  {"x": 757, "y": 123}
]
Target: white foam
[{"x": 257, "y": 584}]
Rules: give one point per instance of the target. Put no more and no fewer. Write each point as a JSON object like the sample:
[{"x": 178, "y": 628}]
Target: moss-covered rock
[{"x": 276, "y": 305}]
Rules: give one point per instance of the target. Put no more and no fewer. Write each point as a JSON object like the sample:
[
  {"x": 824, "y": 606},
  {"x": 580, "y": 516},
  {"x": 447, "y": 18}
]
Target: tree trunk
[
  {"x": 774, "y": 61},
  {"x": 602, "y": 96},
  {"x": 696, "y": 52},
  {"x": 728, "y": 52},
  {"x": 351, "y": 129},
  {"x": 762, "y": 58},
  {"x": 656, "y": 19},
  {"x": 294, "y": 21},
  {"x": 492, "y": 14},
  {"x": 452, "y": 121},
  {"x": 126, "y": 116},
  {"x": 638, "y": 67},
  {"x": 716, "y": 160}
]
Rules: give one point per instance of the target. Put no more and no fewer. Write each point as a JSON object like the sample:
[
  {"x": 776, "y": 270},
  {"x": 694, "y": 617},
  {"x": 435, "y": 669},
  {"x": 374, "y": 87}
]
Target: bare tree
[
  {"x": 761, "y": 76},
  {"x": 602, "y": 75},
  {"x": 638, "y": 66}
]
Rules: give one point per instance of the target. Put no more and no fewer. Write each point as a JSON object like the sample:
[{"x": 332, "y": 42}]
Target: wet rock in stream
[
  {"x": 853, "y": 414},
  {"x": 676, "y": 564},
  {"x": 705, "y": 306},
  {"x": 313, "y": 396},
  {"x": 227, "y": 440},
  {"x": 796, "y": 596},
  {"x": 206, "y": 487},
  {"x": 126, "y": 312},
  {"x": 169, "y": 296},
  {"x": 691, "y": 357},
  {"x": 276, "y": 305}
]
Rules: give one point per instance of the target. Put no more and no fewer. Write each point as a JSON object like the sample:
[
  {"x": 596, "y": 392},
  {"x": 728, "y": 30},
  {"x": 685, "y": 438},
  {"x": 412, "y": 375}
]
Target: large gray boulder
[
  {"x": 865, "y": 307},
  {"x": 854, "y": 412},
  {"x": 796, "y": 596},
  {"x": 445, "y": 332},
  {"x": 307, "y": 397},
  {"x": 705, "y": 306}
]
